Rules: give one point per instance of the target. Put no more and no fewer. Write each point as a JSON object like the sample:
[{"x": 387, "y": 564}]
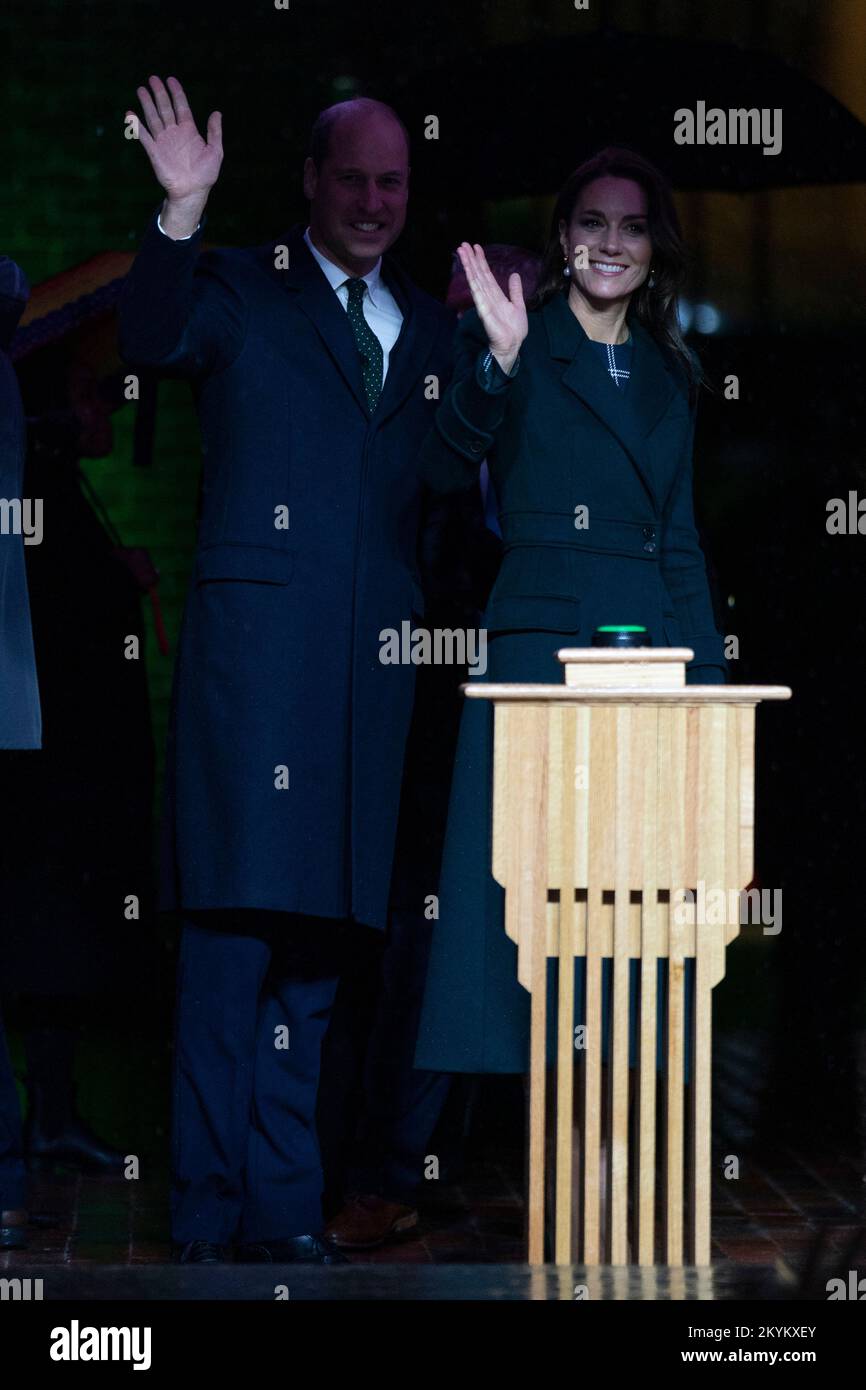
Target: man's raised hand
[
  {"x": 503, "y": 316},
  {"x": 186, "y": 165}
]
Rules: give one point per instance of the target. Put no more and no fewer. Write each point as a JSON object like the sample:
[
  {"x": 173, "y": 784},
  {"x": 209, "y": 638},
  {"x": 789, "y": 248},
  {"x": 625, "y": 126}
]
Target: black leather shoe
[
  {"x": 75, "y": 1146},
  {"x": 200, "y": 1252},
  {"x": 13, "y": 1230},
  {"x": 308, "y": 1250}
]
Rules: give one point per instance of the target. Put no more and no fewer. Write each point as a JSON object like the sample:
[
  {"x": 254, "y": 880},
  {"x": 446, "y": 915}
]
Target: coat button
[
  {"x": 650, "y": 547},
  {"x": 476, "y": 445},
  {"x": 649, "y": 533}
]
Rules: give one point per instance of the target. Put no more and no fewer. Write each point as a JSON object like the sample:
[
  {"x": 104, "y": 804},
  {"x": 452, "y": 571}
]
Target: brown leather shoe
[{"x": 367, "y": 1221}]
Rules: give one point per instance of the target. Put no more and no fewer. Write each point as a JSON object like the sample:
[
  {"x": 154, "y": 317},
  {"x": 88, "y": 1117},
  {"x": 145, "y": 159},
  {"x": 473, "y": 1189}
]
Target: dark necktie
[{"x": 369, "y": 346}]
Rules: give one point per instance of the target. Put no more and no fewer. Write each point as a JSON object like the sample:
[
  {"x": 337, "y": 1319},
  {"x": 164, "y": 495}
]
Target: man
[
  {"x": 20, "y": 715},
  {"x": 315, "y": 363}
]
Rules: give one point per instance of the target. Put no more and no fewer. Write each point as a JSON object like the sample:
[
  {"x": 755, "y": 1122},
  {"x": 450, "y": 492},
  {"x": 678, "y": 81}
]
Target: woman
[{"x": 584, "y": 408}]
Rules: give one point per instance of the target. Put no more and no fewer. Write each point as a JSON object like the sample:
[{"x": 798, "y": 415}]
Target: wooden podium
[{"x": 616, "y": 797}]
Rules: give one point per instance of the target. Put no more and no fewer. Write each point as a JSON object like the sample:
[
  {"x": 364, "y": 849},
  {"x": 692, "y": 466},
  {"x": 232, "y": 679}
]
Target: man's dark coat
[{"x": 279, "y": 678}]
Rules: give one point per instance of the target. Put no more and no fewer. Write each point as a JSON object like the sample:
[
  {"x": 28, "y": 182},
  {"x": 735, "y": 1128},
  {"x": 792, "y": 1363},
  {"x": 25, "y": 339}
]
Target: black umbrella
[{"x": 514, "y": 120}]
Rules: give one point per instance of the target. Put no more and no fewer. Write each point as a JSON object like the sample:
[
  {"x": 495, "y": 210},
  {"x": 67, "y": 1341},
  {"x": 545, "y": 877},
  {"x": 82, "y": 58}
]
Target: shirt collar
[{"x": 336, "y": 276}]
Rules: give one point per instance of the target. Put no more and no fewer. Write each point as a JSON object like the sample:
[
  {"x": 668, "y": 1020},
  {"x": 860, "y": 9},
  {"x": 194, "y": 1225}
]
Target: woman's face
[{"x": 610, "y": 220}]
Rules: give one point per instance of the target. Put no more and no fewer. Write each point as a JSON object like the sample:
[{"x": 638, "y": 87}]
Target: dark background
[{"x": 782, "y": 270}]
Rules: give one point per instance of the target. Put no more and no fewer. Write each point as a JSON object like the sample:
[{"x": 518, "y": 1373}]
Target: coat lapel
[
  {"x": 629, "y": 415},
  {"x": 414, "y": 345},
  {"x": 312, "y": 294},
  {"x": 314, "y": 297}
]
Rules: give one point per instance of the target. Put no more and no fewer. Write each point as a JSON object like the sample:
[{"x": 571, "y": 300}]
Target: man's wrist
[{"x": 180, "y": 221}]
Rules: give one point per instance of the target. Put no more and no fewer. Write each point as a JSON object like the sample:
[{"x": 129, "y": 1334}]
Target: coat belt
[{"x": 638, "y": 539}]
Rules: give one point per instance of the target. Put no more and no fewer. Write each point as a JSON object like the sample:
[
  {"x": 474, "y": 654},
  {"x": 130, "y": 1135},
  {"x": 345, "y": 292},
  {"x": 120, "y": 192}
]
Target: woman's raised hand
[
  {"x": 503, "y": 316},
  {"x": 186, "y": 165}
]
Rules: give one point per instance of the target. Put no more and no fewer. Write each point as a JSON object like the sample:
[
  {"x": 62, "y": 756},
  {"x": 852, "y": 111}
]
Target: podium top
[
  {"x": 594, "y": 656},
  {"x": 627, "y": 675},
  {"x": 629, "y": 694}
]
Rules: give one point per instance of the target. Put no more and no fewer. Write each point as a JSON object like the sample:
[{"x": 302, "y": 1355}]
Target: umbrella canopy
[
  {"x": 514, "y": 121},
  {"x": 77, "y": 310},
  {"x": 81, "y": 300}
]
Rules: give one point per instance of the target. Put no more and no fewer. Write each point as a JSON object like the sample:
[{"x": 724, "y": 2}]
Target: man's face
[{"x": 358, "y": 197}]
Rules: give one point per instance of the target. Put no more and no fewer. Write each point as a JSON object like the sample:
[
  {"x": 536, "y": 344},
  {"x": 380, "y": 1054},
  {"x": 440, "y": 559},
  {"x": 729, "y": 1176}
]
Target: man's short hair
[{"x": 320, "y": 136}]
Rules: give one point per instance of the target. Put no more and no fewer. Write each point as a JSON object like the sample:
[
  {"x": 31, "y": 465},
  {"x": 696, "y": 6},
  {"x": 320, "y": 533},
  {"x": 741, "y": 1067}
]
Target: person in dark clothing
[
  {"x": 80, "y": 843},
  {"x": 20, "y": 717},
  {"x": 542, "y": 389},
  {"x": 312, "y": 359}
]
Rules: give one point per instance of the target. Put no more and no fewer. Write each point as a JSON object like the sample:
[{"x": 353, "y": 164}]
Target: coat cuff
[
  {"x": 475, "y": 408},
  {"x": 158, "y": 242},
  {"x": 175, "y": 238}
]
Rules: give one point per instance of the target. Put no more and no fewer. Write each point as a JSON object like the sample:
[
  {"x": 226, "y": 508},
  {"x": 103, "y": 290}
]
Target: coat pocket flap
[
  {"x": 259, "y": 563},
  {"x": 533, "y": 612}
]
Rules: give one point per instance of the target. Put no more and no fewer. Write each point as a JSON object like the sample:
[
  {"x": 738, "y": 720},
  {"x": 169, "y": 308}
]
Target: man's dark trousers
[
  {"x": 255, "y": 991},
  {"x": 376, "y": 1113}
]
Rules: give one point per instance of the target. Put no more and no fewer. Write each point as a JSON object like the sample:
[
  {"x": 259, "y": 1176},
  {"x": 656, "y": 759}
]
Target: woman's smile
[{"x": 607, "y": 267}]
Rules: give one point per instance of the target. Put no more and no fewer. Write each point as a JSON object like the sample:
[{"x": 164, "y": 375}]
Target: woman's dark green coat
[{"x": 559, "y": 437}]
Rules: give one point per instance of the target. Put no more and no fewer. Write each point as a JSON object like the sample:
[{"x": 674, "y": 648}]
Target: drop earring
[
  {"x": 566, "y": 269},
  {"x": 652, "y": 278}
]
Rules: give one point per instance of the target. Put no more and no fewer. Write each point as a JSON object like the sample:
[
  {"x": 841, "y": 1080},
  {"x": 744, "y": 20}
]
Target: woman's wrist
[{"x": 506, "y": 360}]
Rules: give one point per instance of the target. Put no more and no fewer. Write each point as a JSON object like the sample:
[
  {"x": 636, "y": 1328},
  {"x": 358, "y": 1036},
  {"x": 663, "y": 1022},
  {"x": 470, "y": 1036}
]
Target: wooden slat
[
  {"x": 531, "y": 793},
  {"x": 557, "y": 800},
  {"x": 648, "y": 732},
  {"x": 621, "y": 962},
  {"x": 563, "y": 745},
  {"x": 602, "y": 778},
  {"x": 537, "y": 1111},
  {"x": 676, "y": 778},
  {"x": 520, "y": 844},
  {"x": 746, "y": 724},
  {"x": 709, "y": 964},
  {"x": 502, "y": 794},
  {"x": 527, "y": 866},
  {"x": 733, "y": 873},
  {"x": 583, "y": 797}
]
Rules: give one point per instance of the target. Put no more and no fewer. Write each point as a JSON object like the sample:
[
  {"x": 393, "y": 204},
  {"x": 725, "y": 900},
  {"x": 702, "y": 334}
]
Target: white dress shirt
[{"x": 381, "y": 309}]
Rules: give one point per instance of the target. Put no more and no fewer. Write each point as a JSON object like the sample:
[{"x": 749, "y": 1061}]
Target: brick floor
[{"x": 781, "y": 1209}]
